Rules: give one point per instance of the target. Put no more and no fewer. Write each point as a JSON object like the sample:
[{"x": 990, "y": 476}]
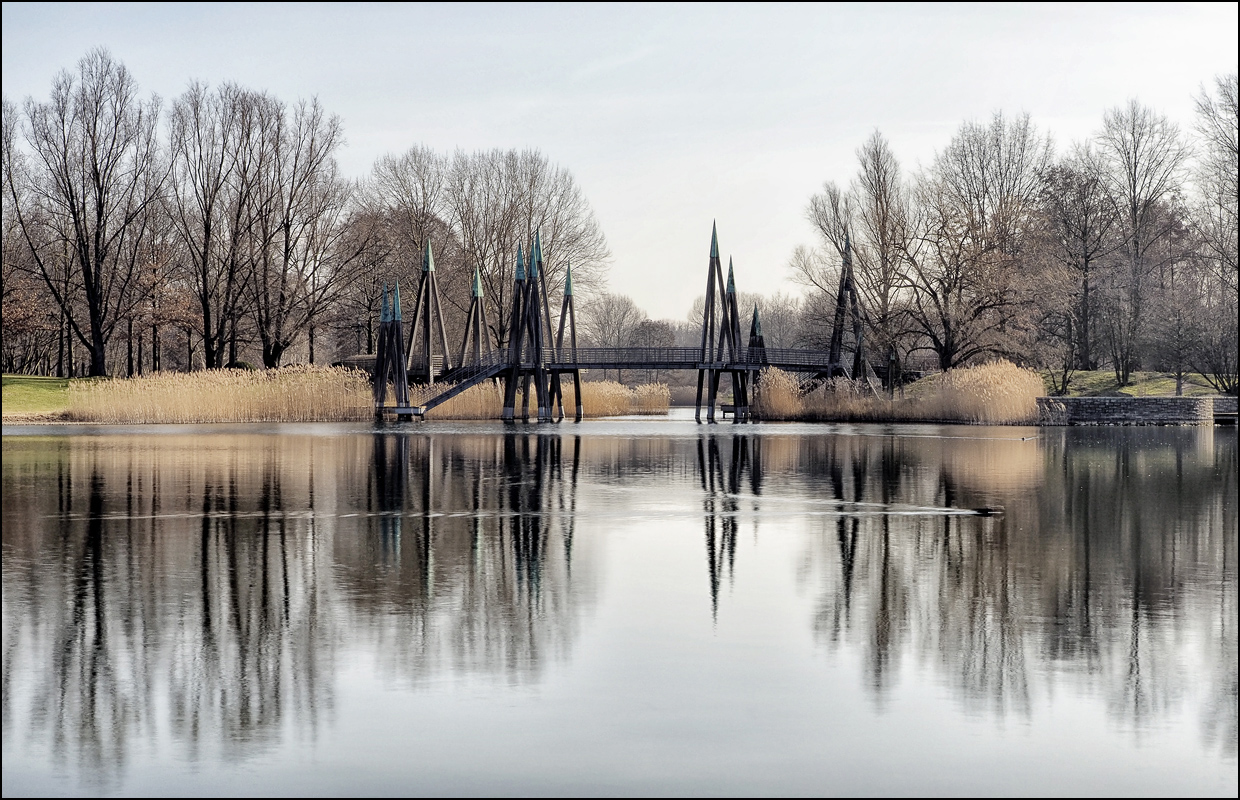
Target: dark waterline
[{"x": 621, "y": 606}]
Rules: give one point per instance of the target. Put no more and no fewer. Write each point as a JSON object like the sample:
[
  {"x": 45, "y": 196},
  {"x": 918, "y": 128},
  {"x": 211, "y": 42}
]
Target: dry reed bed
[
  {"x": 312, "y": 394},
  {"x": 598, "y": 399},
  {"x": 289, "y": 394},
  {"x": 996, "y": 393}
]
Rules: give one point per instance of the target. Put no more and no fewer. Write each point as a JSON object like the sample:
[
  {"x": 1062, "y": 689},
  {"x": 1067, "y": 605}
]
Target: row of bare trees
[
  {"x": 476, "y": 210},
  {"x": 220, "y": 228},
  {"x": 1120, "y": 252}
]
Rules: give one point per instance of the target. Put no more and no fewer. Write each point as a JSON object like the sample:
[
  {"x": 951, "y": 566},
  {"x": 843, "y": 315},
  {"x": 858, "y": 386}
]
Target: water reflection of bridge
[
  {"x": 205, "y": 586},
  {"x": 1085, "y": 577},
  {"x": 469, "y": 558}
]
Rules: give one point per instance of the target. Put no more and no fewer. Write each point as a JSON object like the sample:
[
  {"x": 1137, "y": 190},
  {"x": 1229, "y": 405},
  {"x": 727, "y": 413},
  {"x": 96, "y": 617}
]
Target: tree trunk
[
  {"x": 60, "y": 347},
  {"x": 98, "y": 352},
  {"x": 272, "y": 355}
]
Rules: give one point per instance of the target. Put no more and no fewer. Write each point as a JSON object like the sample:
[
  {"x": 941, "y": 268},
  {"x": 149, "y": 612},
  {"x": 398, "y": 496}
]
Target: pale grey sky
[{"x": 669, "y": 116}]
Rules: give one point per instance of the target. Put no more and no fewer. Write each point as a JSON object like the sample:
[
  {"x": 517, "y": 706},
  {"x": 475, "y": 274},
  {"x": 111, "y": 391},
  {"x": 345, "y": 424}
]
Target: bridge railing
[
  {"x": 689, "y": 356},
  {"x": 656, "y": 357}
]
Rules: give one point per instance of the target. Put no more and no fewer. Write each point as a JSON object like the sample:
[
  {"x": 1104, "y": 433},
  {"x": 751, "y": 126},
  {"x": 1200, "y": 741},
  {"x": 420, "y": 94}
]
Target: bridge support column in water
[{"x": 719, "y": 353}]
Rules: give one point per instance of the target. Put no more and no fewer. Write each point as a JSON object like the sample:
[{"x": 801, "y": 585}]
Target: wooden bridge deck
[{"x": 633, "y": 358}]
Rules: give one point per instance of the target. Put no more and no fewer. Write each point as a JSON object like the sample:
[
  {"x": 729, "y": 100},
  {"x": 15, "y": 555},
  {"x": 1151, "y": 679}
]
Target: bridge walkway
[{"x": 495, "y": 363}]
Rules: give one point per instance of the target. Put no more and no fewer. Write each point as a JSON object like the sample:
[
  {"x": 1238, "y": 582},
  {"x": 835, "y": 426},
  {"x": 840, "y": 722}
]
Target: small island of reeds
[{"x": 997, "y": 393}]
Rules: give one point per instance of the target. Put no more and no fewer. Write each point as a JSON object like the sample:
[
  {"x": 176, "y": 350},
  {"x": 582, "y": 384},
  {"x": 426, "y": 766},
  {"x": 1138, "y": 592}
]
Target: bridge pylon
[
  {"x": 390, "y": 356},
  {"x": 428, "y": 325},
  {"x": 531, "y": 349},
  {"x": 720, "y": 349}
]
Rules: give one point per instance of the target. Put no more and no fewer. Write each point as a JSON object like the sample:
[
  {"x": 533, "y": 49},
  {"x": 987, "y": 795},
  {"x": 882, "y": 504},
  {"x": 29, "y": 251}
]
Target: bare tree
[
  {"x": 86, "y": 195},
  {"x": 1145, "y": 157},
  {"x": 1079, "y": 222},
  {"x": 1217, "y": 359},
  {"x": 652, "y": 333},
  {"x": 966, "y": 270},
  {"x": 219, "y": 153},
  {"x": 496, "y": 201},
  {"x": 874, "y": 215},
  {"x": 299, "y": 260},
  {"x": 610, "y": 320}
]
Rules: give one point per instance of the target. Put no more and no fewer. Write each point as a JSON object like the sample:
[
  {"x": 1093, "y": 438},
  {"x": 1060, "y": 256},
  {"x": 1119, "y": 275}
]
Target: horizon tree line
[{"x": 219, "y": 228}]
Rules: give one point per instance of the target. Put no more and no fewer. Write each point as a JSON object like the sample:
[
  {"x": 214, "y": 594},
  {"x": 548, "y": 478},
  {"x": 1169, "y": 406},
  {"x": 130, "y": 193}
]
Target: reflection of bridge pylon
[{"x": 720, "y": 503}]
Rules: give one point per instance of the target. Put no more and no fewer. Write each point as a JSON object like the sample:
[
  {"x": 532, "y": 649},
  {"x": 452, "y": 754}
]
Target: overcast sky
[{"x": 669, "y": 117}]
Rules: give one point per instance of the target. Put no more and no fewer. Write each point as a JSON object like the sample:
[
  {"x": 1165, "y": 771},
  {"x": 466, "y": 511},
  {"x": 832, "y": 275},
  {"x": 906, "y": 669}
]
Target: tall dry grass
[
  {"x": 777, "y": 396},
  {"x": 651, "y": 398},
  {"x": 289, "y": 394},
  {"x": 996, "y": 393},
  {"x": 314, "y": 394},
  {"x": 598, "y": 399},
  {"x": 484, "y": 401}
]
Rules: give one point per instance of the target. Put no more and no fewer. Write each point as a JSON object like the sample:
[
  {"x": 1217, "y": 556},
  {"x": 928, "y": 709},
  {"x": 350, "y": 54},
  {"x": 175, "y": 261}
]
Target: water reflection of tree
[
  {"x": 1104, "y": 571},
  {"x": 162, "y": 587},
  {"x": 474, "y": 541}
]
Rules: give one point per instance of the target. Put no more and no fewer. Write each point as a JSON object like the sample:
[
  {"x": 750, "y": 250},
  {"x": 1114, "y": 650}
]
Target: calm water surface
[{"x": 625, "y": 606}]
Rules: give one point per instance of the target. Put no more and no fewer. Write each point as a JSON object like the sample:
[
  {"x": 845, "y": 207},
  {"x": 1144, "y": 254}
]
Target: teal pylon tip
[{"x": 536, "y": 256}]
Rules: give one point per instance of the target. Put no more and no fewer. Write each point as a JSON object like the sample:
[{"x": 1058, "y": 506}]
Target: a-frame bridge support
[
  {"x": 720, "y": 343},
  {"x": 847, "y": 303},
  {"x": 534, "y": 353},
  {"x": 540, "y": 354},
  {"x": 428, "y": 327},
  {"x": 390, "y": 357}
]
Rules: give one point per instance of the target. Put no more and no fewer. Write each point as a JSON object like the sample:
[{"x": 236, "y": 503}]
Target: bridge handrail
[{"x": 686, "y": 357}]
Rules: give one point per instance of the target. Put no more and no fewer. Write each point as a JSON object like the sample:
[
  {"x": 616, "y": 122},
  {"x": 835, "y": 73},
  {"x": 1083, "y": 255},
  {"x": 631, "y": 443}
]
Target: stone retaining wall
[
  {"x": 1225, "y": 405},
  {"x": 1126, "y": 410}
]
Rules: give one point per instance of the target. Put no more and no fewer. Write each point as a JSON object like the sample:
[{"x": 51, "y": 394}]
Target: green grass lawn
[
  {"x": 25, "y": 395},
  {"x": 1101, "y": 383},
  {"x": 1142, "y": 384}
]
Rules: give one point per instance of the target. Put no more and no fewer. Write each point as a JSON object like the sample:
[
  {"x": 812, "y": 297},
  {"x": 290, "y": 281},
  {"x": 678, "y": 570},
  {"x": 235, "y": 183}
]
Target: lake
[{"x": 626, "y": 606}]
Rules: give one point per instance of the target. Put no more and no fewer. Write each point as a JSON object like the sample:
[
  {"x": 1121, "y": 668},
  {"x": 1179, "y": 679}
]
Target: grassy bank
[
  {"x": 34, "y": 398},
  {"x": 1102, "y": 383},
  {"x": 998, "y": 393}
]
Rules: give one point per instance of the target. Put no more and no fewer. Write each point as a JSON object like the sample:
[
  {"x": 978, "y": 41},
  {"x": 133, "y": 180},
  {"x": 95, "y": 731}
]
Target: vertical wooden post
[
  {"x": 568, "y": 319},
  {"x": 707, "y": 354},
  {"x": 516, "y": 339}
]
